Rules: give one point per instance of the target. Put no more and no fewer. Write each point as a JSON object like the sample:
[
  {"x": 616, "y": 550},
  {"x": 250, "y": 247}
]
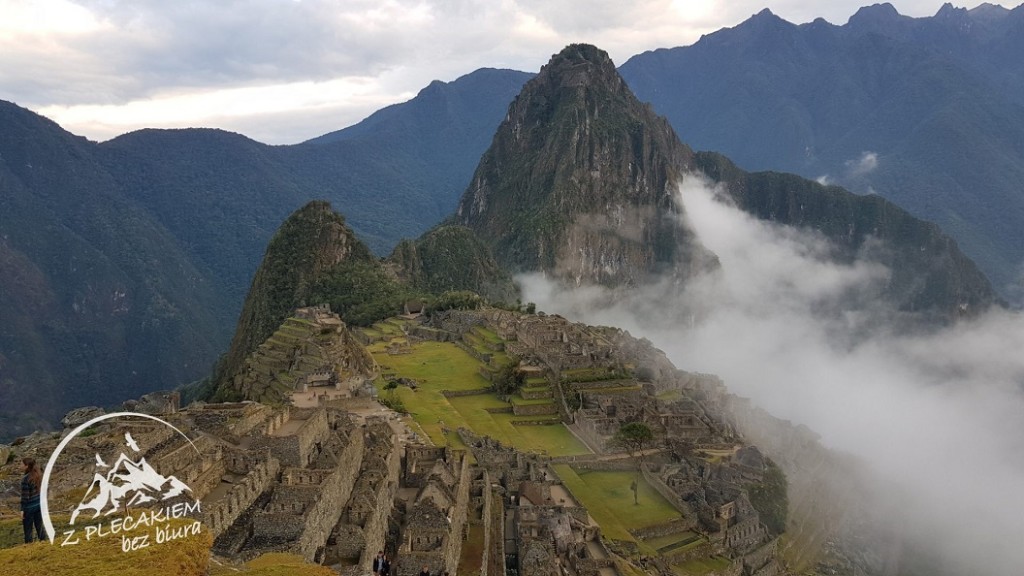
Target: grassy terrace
[
  {"x": 441, "y": 366},
  {"x": 103, "y": 556},
  {"x": 609, "y": 500},
  {"x": 670, "y": 395},
  {"x": 675, "y": 542},
  {"x": 472, "y": 551},
  {"x": 613, "y": 390},
  {"x": 701, "y": 566},
  {"x": 530, "y": 402}
]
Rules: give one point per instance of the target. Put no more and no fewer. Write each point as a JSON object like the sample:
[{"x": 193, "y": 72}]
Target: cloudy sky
[{"x": 282, "y": 71}]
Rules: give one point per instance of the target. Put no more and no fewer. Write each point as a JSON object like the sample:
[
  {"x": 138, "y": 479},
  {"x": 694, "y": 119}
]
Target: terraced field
[
  {"x": 608, "y": 497},
  {"x": 443, "y": 366}
]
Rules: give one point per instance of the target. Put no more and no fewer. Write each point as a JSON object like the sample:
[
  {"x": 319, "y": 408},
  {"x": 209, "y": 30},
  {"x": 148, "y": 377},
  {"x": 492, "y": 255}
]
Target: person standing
[
  {"x": 385, "y": 566},
  {"x": 378, "y": 560},
  {"x": 31, "y": 512}
]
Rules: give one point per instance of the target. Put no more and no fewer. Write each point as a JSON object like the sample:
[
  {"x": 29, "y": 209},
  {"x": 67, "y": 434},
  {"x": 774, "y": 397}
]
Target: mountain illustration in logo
[{"x": 128, "y": 483}]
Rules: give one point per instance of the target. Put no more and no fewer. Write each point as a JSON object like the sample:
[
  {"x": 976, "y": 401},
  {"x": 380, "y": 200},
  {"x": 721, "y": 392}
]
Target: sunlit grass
[
  {"x": 438, "y": 366},
  {"x": 104, "y": 557},
  {"x": 608, "y": 498}
]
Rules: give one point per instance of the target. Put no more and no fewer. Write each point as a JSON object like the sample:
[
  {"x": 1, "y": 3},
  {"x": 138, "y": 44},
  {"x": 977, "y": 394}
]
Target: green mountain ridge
[
  {"x": 311, "y": 242},
  {"x": 176, "y": 221},
  {"x": 315, "y": 259},
  {"x": 99, "y": 303},
  {"x": 452, "y": 258}
]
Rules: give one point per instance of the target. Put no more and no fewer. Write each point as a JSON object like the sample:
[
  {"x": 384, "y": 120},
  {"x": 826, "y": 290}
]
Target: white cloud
[
  {"x": 863, "y": 165},
  {"x": 94, "y": 64},
  {"x": 938, "y": 416}
]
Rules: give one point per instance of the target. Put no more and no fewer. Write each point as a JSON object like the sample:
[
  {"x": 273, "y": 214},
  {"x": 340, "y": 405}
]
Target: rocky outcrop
[
  {"x": 314, "y": 348},
  {"x": 309, "y": 243},
  {"x": 580, "y": 182}
]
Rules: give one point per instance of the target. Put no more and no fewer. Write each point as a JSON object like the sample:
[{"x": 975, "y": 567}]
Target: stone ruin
[
  {"x": 312, "y": 349},
  {"x": 334, "y": 489}
]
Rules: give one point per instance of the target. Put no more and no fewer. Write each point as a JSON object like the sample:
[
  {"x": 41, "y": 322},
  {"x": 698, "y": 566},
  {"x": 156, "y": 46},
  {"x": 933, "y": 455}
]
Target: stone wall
[
  {"x": 595, "y": 431},
  {"x": 297, "y": 449},
  {"x": 536, "y": 394},
  {"x": 617, "y": 465},
  {"x": 762, "y": 556},
  {"x": 235, "y": 419},
  {"x": 428, "y": 333},
  {"x": 704, "y": 550},
  {"x": 334, "y": 493},
  {"x": 744, "y": 534},
  {"x": 458, "y": 518},
  {"x": 485, "y": 517},
  {"x": 460, "y": 393},
  {"x": 419, "y": 460},
  {"x": 496, "y": 554},
  {"x": 260, "y": 470},
  {"x": 664, "y": 529},
  {"x": 667, "y": 492},
  {"x": 534, "y": 409},
  {"x": 376, "y": 526}
]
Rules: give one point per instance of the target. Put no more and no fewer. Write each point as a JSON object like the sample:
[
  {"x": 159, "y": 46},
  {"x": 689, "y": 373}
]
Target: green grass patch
[
  {"x": 372, "y": 334},
  {"x": 472, "y": 551},
  {"x": 275, "y": 564},
  {"x": 552, "y": 440},
  {"x": 670, "y": 395},
  {"x": 103, "y": 557},
  {"x": 701, "y": 566},
  {"x": 537, "y": 381},
  {"x": 487, "y": 334},
  {"x": 441, "y": 366},
  {"x": 520, "y": 401},
  {"x": 437, "y": 365},
  {"x": 672, "y": 540},
  {"x": 607, "y": 497},
  {"x": 613, "y": 390}
]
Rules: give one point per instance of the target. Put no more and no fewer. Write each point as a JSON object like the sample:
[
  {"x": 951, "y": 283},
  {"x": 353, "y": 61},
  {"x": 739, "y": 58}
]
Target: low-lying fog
[{"x": 938, "y": 417}]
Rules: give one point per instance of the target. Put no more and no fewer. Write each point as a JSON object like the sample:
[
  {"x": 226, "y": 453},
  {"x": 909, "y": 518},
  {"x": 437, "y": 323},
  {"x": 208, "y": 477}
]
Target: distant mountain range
[
  {"x": 124, "y": 264},
  {"x": 927, "y": 112}
]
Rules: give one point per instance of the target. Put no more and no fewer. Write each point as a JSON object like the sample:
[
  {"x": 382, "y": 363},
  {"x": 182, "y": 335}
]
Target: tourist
[
  {"x": 31, "y": 513},
  {"x": 377, "y": 562},
  {"x": 385, "y": 566},
  {"x": 425, "y": 571}
]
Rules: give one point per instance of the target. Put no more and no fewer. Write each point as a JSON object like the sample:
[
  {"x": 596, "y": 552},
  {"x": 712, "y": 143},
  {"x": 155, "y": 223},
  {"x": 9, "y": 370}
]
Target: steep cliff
[{"x": 579, "y": 181}]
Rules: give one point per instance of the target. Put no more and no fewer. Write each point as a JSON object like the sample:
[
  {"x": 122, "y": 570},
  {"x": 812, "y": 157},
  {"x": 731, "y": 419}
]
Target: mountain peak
[
  {"x": 309, "y": 242},
  {"x": 581, "y": 65},
  {"x": 987, "y": 11},
  {"x": 580, "y": 180},
  {"x": 871, "y": 16}
]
